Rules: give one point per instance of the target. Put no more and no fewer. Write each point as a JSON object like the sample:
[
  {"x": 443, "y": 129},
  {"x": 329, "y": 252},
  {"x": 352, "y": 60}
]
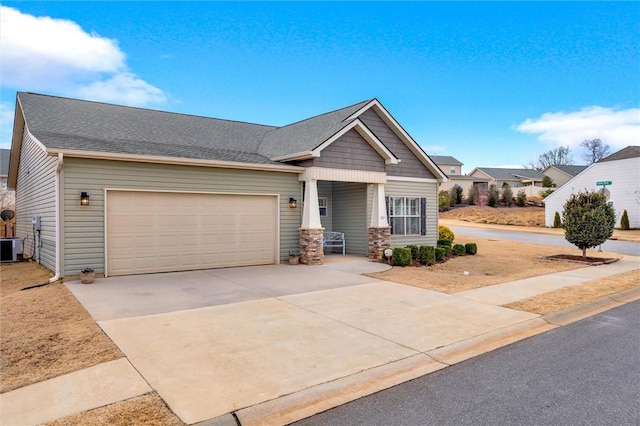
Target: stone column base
[
  {"x": 379, "y": 239},
  {"x": 311, "y": 249}
]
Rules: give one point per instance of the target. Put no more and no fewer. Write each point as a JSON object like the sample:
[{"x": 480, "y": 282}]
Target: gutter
[{"x": 56, "y": 277}]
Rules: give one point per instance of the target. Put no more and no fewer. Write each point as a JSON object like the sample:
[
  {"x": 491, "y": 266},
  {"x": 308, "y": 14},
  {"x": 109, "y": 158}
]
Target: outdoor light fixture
[
  {"x": 84, "y": 199},
  {"x": 293, "y": 203}
]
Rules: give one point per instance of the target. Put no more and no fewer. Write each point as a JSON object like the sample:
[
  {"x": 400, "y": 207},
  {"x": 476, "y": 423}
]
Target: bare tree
[
  {"x": 560, "y": 156},
  {"x": 596, "y": 150}
]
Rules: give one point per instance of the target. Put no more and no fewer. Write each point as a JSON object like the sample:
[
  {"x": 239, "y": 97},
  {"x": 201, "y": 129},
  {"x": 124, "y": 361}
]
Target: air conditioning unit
[{"x": 10, "y": 249}]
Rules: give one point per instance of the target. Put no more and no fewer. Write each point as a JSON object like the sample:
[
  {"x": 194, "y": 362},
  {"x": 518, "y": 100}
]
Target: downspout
[{"x": 56, "y": 277}]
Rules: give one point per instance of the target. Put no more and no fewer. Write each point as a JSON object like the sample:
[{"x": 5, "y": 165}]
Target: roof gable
[{"x": 628, "y": 152}]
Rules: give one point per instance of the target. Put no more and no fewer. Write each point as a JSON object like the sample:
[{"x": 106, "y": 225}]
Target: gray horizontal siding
[
  {"x": 410, "y": 165},
  {"x": 426, "y": 190},
  {"x": 84, "y": 229},
  {"x": 350, "y": 215},
  {"x": 36, "y": 195}
]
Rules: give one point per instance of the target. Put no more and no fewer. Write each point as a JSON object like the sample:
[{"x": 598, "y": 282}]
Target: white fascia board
[
  {"x": 175, "y": 161},
  {"x": 411, "y": 179},
  {"x": 305, "y": 155},
  {"x": 366, "y": 134},
  {"x": 403, "y": 135}
]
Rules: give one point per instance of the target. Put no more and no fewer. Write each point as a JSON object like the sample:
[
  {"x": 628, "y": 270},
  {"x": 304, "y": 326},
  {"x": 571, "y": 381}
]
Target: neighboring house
[
  {"x": 173, "y": 192},
  {"x": 622, "y": 169},
  {"x": 528, "y": 180},
  {"x": 7, "y": 197},
  {"x": 453, "y": 168},
  {"x": 562, "y": 174}
]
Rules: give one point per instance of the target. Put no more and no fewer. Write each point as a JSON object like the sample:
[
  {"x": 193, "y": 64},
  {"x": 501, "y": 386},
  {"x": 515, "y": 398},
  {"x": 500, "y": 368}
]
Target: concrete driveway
[{"x": 279, "y": 342}]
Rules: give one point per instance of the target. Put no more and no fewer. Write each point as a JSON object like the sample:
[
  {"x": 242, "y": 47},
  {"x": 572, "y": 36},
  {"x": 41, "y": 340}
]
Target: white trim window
[
  {"x": 404, "y": 215},
  {"x": 322, "y": 203}
]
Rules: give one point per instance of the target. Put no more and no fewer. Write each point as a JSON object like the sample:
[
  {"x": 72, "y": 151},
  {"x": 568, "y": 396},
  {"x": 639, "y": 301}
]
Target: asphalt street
[
  {"x": 586, "y": 373},
  {"x": 622, "y": 247}
]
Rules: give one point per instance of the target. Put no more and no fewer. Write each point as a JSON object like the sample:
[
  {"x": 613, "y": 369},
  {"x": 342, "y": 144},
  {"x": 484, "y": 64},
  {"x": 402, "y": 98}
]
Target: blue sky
[{"x": 492, "y": 84}]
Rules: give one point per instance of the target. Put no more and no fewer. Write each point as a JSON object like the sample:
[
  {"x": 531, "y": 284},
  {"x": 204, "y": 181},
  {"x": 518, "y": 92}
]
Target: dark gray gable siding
[
  {"x": 410, "y": 165},
  {"x": 350, "y": 151}
]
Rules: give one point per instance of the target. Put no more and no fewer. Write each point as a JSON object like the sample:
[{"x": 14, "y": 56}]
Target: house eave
[{"x": 175, "y": 161}]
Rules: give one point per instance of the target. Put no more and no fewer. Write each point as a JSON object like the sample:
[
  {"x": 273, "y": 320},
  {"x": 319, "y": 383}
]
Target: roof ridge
[
  {"x": 146, "y": 109},
  {"x": 323, "y": 114}
]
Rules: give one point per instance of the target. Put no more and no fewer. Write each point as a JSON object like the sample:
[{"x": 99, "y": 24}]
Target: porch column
[
  {"x": 311, "y": 248},
  {"x": 379, "y": 231}
]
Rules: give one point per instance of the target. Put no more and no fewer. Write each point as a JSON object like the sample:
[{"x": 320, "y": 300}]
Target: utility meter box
[{"x": 37, "y": 223}]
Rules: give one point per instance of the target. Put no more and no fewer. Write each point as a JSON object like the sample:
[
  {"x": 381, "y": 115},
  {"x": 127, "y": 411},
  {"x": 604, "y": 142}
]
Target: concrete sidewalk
[{"x": 278, "y": 358}]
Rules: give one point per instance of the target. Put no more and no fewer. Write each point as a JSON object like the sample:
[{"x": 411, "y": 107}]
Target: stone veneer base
[
  {"x": 379, "y": 239},
  {"x": 311, "y": 248}
]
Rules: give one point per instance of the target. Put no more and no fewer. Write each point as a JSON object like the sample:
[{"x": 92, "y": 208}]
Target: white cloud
[
  {"x": 615, "y": 127},
  {"x": 58, "y": 56}
]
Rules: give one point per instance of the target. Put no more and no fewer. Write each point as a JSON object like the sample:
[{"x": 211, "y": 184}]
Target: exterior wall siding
[
  {"x": 36, "y": 195},
  {"x": 624, "y": 189},
  {"x": 428, "y": 190},
  {"x": 557, "y": 176},
  {"x": 84, "y": 230},
  {"x": 350, "y": 215},
  {"x": 350, "y": 151},
  {"x": 410, "y": 166}
]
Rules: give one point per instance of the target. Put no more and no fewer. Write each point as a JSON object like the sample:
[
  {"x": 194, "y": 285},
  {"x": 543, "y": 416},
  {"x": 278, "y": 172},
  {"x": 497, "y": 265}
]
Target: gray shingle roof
[
  {"x": 4, "y": 161},
  {"x": 307, "y": 134},
  {"x": 571, "y": 169},
  {"x": 509, "y": 174},
  {"x": 445, "y": 160},
  {"x": 628, "y": 152},
  {"x": 71, "y": 124}
]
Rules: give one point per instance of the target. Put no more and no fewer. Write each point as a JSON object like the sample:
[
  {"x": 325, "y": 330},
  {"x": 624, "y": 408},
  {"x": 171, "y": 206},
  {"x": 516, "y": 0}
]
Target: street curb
[
  {"x": 478, "y": 345},
  {"x": 577, "y": 313},
  {"x": 310, "y": 401}
]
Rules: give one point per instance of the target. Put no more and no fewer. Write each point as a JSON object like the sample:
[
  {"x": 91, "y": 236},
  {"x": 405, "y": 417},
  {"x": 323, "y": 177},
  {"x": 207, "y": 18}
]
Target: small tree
[
  {"x": 547, "y": 182},
  {"x": 521, "y": 198},
  {"x": 472, "y": 196},
  {"x": 443, "y": 200},
  {"x": 588, "y": 220},
  {"x": 493, "y": 196},
  {"x": 507, "y": 195},
  {"x": 455, "y": 195},
  {"x": 624, "y": 221},
  {"x": 557, "y": 222}
]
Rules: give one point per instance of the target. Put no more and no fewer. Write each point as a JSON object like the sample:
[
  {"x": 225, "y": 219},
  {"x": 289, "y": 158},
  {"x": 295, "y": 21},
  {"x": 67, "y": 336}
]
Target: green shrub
[
  {"x": 507, "y": 195},
  {"x": 471, "y": 248},
  {"x": 459, "y": 249},
  {"x": 472, "y": 196},
  {"x": 447, "y": 250},
  {"x": 401, "y": 256},
  {"x": 545, "y": 193},
  {"x": 415, "y": 252},
  {"x": 493, "y": 196},
  {"x": 427, "y": 255},
  {"x": 440, "y": 254},
  {"x": 444, "y": 233},
  {"x": 588, "y": 220},
  {"x": 445, "y": 242},
  {"x": 443, "y": 201},
  {"x": 521, "y": 198},
  {"x": 557, "y": 222},
  {"x": 547, "y": 182},
  {"x": 624, "y": 221},
  {"x": 455, "y": 195}
]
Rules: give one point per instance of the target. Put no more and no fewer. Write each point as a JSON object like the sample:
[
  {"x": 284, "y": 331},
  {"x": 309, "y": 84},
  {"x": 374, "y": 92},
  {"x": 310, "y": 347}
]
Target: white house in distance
[{"x": 618, "y": 175}]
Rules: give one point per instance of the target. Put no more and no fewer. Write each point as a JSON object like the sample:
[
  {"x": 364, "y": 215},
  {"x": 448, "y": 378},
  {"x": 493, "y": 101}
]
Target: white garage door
[{"x": 161, "y": 231}]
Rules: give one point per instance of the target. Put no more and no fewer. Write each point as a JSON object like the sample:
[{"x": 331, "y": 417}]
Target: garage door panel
[{"x": 161, "y": 232}]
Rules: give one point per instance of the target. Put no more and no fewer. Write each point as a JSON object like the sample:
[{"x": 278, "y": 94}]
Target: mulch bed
[{"x": 592, "y": 261}]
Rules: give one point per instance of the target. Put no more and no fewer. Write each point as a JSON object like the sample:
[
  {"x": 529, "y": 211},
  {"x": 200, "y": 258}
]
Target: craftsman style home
[{"x": 128, "y": 190}]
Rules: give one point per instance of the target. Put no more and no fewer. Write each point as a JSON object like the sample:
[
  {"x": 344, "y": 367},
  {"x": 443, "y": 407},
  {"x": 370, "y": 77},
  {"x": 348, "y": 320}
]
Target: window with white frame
[
  {"x": 322, "y": 203},
  {"x": 452, "y": 170},
  {"x": 404, "y": 215}
]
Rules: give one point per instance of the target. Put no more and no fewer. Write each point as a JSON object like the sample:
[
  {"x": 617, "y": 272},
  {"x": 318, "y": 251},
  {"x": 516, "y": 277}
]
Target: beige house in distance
[
  {"x": 562, "y": 174},
  {"x": 453, "y": 168}
]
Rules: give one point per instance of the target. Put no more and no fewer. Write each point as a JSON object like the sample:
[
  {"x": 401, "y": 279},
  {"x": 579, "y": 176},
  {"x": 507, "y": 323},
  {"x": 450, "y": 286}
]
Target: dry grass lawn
[
  {"x": 145, "y": 410},
  {"x": 568, "y": 297},
  {"x": 45, "y": 331},
  {"x": 496, "y": 262}
]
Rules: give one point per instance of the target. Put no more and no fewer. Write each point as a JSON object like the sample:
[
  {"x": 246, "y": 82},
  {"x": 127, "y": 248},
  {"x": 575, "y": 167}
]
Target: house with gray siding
[
  {"x": 130, "y": 190},
  {"x": 560, "y": 175}
]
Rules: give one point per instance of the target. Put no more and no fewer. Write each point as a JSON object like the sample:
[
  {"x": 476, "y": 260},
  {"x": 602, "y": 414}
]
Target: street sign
[{"x": 603, "y": 183}]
